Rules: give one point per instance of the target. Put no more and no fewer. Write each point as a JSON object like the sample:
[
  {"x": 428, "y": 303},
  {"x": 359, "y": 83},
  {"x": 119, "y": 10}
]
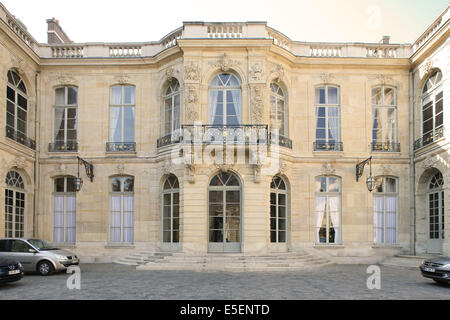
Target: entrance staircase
[
  {"x": 290, "y": 261},
  {"x": 142, "y": 258}
]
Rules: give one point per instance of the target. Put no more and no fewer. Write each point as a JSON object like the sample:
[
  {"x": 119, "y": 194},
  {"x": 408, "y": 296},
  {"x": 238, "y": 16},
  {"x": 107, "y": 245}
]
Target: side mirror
[{"x": 32, "y": 251}]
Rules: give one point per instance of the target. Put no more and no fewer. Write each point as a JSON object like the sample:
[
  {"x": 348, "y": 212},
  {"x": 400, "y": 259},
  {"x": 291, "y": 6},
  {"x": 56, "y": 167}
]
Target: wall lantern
[
  {"x": 89, "y": 172},
  {"x": 370, "y": 181}
]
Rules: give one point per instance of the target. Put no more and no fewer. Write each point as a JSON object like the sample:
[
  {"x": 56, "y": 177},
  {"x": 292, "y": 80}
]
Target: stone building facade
[{"x": 226, "y": 137}]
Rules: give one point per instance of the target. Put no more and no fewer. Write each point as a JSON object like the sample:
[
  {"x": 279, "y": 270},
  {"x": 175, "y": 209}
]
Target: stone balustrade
[
  {"x": 67, "y": 51},
  {"x": 325, "y": 51},
  {"x": 224, "y": 30},
  {"x": 20, "y": 30},
  {"x": 118, "y": 51},
  {"x": 435, "y": 26}
]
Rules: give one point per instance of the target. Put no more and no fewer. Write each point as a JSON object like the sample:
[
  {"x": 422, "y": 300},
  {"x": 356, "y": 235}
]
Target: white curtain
[
  {"x": 115, "y": 133},
  {"x": 320, "y": 212},
  {"x": 236, "y": 95},
  {"x": 176, "y": 113},
  {"x": 58, "y": 219},
  {"x": 115, "y": 222},
  {"x": 128, "y": 218},
  {"x": 71, "y": 219},
  {"x": 391, "y": 219},
  {"x": 59, "y": 117},
  {"x": 333, "y": 124},
  {"x": 334, "y": 207},
  {"x": 213, "y": 107},
  {"x": 378, "y": 219}
]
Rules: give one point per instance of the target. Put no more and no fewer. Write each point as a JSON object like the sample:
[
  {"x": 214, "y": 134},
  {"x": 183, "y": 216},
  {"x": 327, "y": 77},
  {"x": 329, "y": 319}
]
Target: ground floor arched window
[
  {"x": 14, "y": 205},
  {"x": 278, "y": 210}
]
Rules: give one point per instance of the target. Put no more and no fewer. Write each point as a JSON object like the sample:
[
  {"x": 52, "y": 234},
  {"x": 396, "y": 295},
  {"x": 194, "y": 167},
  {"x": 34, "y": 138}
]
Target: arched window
[
  {"x": 432, "y": 109},
  {"x": 16, "y": 108},
  {"x": 328, "y": 209},
  {"x": 225, "y": 100},
  {"x": 14, "y": 205},
  {"x": 65, "y": 108},
  {"x": 328, "y": 132},
  {"x": 172, "y": 107},
  {"x": 436, "y": 213},
  {"x": 171, "y": 211},
  {"x": 64, "y": 210},
  {"x": 122, "y": 108},
  {"x": 278, "y": 210},
  {"x": 384, "y": 130},
  {"x": 385, "y": 203},
  {"x": 224, "y": 213},
  {"x": 122, "y": 209},
  {"x": 278, "y": 112}
]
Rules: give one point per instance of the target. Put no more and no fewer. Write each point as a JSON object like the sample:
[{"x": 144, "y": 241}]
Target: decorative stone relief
[
  {"x": 123, "y": 80},
  {"x": 120, "y": 168},
  {"x": 191, "y": 99},
  {"x": 224, "y": 167},
  {"x": 282, "y": 168},
  {"x": 278, "y": 72},
  {"x": 383, "y": 79},
  {"x": 19, "y": 162},
  {"x": 63, "y": 79},
  {"x": 327, "y": 169},
  {"x": 191, "y": 72},
  {"x": 18, "y": 63},
  {"x": 167, "y": 167},
  {"x": 190, "y": 170},
  {"x": 169, "y": 74},
  {"x": 427, "y": 66},
  {"x": 257, "y": 105},
  {"x": 327, "y": 77},
  {"x": 255, "y": 73},
  {"x": 225, "y": 63},
  {"x": 61, "y": 169},
  {"x": 429, "y": 162}
]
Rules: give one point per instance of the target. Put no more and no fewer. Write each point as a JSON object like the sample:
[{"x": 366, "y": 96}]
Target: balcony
[
  {"x": 429, "y": 138},
  {"x": 121, "y": 147},
  {"x": 385, "y": 146},
  {"x": 246, "y": 134},
  {"x": 280, "y": 140},
  {"x": 328, "y": 146},
  {"x": 61, "y": 146},
  {"x": 20, "y": 138},
  {"x": 168, "y": 140}
]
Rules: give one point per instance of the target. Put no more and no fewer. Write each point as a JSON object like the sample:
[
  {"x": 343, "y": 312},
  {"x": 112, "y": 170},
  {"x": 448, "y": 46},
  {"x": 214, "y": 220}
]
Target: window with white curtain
[
  {"x": 14, "y": 205},
  {"x": 278, "y": 114},
  {"x": 432, "y": 108},
  {"x": 172, "y": 108},
  {"x": 327, "y": 102},
  {"x": 16, "y": 105},
  {"x": 122, "y": 209},
  {"x": 225, "y": 100},
  {"x": 384, "y": 104},
  {"x": 65, "y": 108},
  {"x": 64, "y": 210},
  {"x": 328, "y": 209},
  {"x": 122, "y": 108},
  {"x": 385, "y": 202},
  {"x": 278, "y": 210}
]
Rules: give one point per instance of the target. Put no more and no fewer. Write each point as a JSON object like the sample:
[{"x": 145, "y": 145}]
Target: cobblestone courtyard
[{"x": 111, "y": 281}]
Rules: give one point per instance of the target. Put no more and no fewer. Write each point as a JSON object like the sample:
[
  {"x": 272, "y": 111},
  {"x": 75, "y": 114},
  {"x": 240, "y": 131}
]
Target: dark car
[
  {"x": 437, "y": 269},
  {"x": 10, "y": 271}
]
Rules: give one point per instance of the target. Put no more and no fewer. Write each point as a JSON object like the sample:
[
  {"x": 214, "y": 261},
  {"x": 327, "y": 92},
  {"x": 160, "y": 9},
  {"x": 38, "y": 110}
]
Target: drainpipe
[
  {"x": 36, "y": 154},
  {"x": 412, "y": 165}
]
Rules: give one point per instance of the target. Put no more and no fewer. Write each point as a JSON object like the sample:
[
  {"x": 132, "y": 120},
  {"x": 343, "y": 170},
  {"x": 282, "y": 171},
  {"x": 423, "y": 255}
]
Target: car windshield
[{"x": 41, "y": 244}]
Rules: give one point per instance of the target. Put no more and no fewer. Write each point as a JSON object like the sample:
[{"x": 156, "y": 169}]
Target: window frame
[
  {"x": 15, "y": 190},
  {"x": 383, "y": 106},
  {"x": 286, "y": 193},
  {"x": 224, "y": 88},
  {"x": 122, "y": 107},
  {"x": 122, "y": 193},
  {"x": 427, "y": 97},
  {"x": 17, "y": 91},
  {"x": 172, "y": 97},
  {"x": 384, "y": 194},
  {"x": 328, "y": 105},
  {"x": 66, "y": 106},
  {"x": 285, "y": 120},
  {"x": 65, "y": 194}
]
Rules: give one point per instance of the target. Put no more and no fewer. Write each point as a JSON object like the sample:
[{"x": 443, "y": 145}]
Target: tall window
[
  {"x": 64, "y": 210},
  {"x": 14, "y": 205},
  {"x": 328, "y": 209},
  {"x": 65, "y": 136},
  {"x": 172, "y": 108},
  {"x": 122, "y": 209},
  {"x": 432, "y": 108},
  {"x": 171, "y": 210},
  {"x": 122, "y": 107},
  {"x": 385, "y": 210},
  {"x": 384, "y": 131},
  {"x": 436, "y": 212},
  {"x": 278, "y": 210},
  {"x": 16, "y": 107},
  {"x": 225, "y": 100},
  {"x": 327, "y": 118},
  {"x": 278, "y": 114}
]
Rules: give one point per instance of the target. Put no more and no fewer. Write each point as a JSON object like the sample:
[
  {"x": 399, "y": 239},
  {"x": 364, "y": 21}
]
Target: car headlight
[
  {"x": 60, "y": 257},
  {"x": 446, "y": 266}
]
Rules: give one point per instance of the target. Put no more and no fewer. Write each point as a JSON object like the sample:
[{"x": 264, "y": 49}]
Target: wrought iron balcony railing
[
  {"x": 385, "y": 146},
  {"x": 429, "y": 138},
  {"x": 120, "y": 146},
  {"x": 20, "y": 138},
  {"x": 168, "y": 140},
  {"x": 63, "y": 146},
  {"x": 280, "y": 140},
  {"x": 328, "y": 146},
  {"x": 225, "y": 134}
]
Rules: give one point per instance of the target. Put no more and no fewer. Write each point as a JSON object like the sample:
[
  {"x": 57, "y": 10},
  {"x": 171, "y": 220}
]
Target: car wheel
[{"x": 45, "y": 268}]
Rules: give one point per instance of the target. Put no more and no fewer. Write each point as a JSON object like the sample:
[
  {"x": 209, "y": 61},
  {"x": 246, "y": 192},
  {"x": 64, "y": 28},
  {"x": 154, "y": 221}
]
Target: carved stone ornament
[
  {"x": 191, "y": 72},
  {"x": 327, "y": 77},
  {"x": 64, "y": 79},
  {"x": 278, "y": 72},
  {"x": 257, "y": 105},
  {"x": 61, "y": 169},
  {"x": 427, "y": 66},
  {"x": 224, "y": 167},
  {"x": 123, "y": 80},
  {"x": 191, "y": 99},
  {"x": 282, "y": 168},
  {"x": 327, "y": 169},
  {"x": 429, "y": 162},
  {"x": 18, "y": 63},
  {"x": 383, "y": 79},
  {"x": 190, "y": 170},
  {"x": 255, "y": 72},
  {"x": 225, "y": 63},
  {"x": 19, "y": 162},
  {"x": 167, "y": 167},
  {"x": 169, "y": 74},
  {"x": 120, "y": 168}
]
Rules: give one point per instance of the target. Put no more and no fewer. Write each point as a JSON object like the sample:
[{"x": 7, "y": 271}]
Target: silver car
[{"x": 37, "y": 255}]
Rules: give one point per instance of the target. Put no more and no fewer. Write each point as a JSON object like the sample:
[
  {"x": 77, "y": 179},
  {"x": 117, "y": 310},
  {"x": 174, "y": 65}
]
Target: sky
[{"x": 300, "y": 20}]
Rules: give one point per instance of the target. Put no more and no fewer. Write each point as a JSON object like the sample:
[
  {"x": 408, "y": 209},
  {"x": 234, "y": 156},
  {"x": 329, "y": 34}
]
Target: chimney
[
  {"x": 55, "y": 34},
  {"x": 385, "y": 39}
]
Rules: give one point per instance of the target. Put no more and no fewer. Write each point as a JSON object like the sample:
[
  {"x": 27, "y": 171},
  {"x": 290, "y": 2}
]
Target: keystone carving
[
  {"x": 123, "y": 80},
  {"x": 225, "y": 63},
  {"x": 278, "y": 72}
]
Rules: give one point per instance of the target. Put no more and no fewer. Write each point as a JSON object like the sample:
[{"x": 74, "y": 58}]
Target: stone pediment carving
[{"x": 225, "y": 63}]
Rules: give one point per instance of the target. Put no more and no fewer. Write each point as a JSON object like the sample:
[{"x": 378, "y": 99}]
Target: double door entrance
[{"x": 435, "y": 206}]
